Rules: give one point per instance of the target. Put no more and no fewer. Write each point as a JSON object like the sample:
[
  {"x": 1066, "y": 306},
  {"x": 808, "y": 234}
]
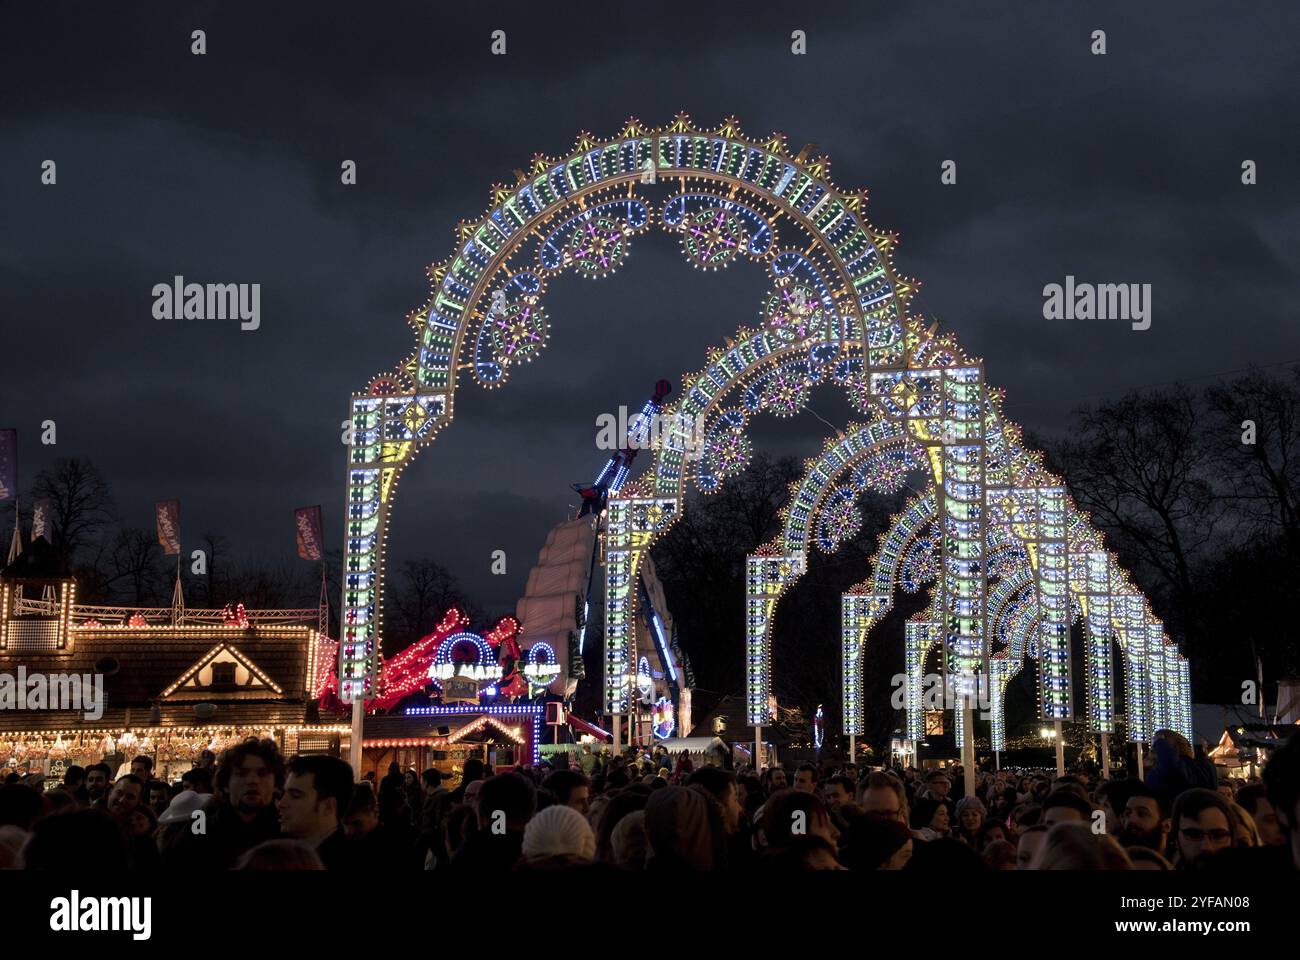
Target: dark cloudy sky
[{"x": 225, "y": 168}]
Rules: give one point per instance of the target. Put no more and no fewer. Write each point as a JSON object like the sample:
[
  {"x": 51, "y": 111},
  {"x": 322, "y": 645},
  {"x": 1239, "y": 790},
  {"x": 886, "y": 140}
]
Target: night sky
[{"x": 224, "y": 168}]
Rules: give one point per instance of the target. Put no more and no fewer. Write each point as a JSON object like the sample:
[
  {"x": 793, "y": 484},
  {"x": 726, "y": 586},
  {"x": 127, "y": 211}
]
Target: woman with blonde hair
[
  {"x": 1244, "y": 831},
  {"x": 1073, "y": 846}
]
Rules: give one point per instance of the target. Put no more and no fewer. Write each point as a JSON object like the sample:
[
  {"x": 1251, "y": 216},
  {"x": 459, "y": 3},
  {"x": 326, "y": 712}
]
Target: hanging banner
[
  {"x": 306, "y": 521},
  {"x": 8, "y": 464},
  {"x": 169, "y": 525},
  {"x": 43, "y": 520}
]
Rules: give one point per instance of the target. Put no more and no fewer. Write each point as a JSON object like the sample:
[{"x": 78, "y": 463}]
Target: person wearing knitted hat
[
  {"x": 970, "y": 817},
  {"x": 558, "y": 837}
]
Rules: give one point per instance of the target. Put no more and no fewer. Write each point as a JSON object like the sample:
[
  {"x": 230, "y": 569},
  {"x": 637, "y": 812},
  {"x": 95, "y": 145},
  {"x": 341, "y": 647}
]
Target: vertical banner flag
[
  {"x": 307, "y": 522},
  {"x": 169, "y": 526},
  {"x": 43, "y": 520},
  {"x": 8, "y": 464}
]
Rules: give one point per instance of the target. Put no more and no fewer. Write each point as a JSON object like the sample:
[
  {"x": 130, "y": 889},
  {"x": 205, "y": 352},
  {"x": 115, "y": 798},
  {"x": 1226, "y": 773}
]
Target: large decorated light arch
[
  {"x": 836, "y": 311},
  {"x": 868, "y": 458}
]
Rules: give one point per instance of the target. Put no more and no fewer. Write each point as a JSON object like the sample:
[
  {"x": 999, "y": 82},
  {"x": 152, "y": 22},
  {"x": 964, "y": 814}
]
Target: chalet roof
[
  {"x": 38, "y": 561},
  {"x": 706, "y": 705},
  {"x": 140, "y": 663}
]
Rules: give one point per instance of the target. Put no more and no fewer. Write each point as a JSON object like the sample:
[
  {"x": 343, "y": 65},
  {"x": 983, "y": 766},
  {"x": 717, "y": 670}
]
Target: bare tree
[
  {"x": 1256, "y": 428},
  {"x": 81, "y": 503},
  {"x": 416, "y": 599},
  {"x": 132, "y": 568},
  {"x": 1144, "y": 468}
]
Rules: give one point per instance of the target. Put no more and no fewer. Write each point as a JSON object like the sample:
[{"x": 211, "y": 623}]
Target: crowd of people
[{"x": 251, "y": 808}]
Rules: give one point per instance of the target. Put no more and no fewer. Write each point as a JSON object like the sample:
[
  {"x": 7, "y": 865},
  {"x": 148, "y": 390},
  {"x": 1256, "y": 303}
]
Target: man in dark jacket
[
  {"x": 248, "y": 779},
  {"x": 317, "y": 795},
  {"x": 506, "y": 803}
]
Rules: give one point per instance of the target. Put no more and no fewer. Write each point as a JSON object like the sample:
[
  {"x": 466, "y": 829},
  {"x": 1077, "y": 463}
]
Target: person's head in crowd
[
  {"x": 837, "y": 791},
  {"x": 929, "y": 814},
  {"x": 1144, "y": 858},
  {"x": 1202, "y": 826},
  {"x": 472, "y": 791},
  {"x": 596, "y": 808},
  {"x": 619, "y": 806},
  {"x": 1225, "y": 789},
  {"x": 126, "y": 795},
  {"x": 776, "y": 780},
  {"x": 98, "y": 777},
  {"x": 460, "y": 822},
  {"x": 363, "y": 813},
  {"x": 180, "y": 812},
  {"x": 250, "y": 775},
  {"x": 21, "y": 806},
  {"x": 970, "y": 817},
  {"x": 473, "y": 769},
  {"x": 1066, "y": 805},
  {"x": 875, "y": 843},
  {"x": 684, "y": 830},
  {"x": 1071, "y": 845},
  {"x": 801, "y": 853},
  {"x": 1180, "y": 744},
  {"x": 805, "y": 778},
  {"x": 317, "y": 794},
  {"x": 506, "y": 802},
  {"x": 82, "y": 840},
  {"x": 74, "y": 777},
  {"x": 938, "y": 784},
  {"x": 571, "y": 788},
  {"x": 1282, "y": 781},
  {"x": 207, "y": 760},
  {"x": 61, "y": 801},
  {"x": 749, "y": 792},
  {"x": 431, "y": 781},
  {"x": 12, "y": 841},
  {"x": 1026, "y": 815},
  {"x": 721, "y": 785},
  {"x": 198, "y": 779},
  {"x": 991, "y": 831},
  {"x": 159, "y": 796},
  {"x": 280, "y": 855},
  {"x": 141, "y": 821},
  {"x": 1254, "y": 800},
  {"x": 558, "y": 836},
  {"x": 1003, "y": 802},
  {"x": 1112, "y": 797},
  {"x": 142, "y": 767},
  {"x": 791, "y": 813},
  {"x": 999, "y": 855},
  {"x": 1145, "y": 822},
  {"x": 883, "y": 796},
  {"x": 1029, "y": 844},
  {"x": 1244, "y": 831},
  {"x": 627, "y": 842}
]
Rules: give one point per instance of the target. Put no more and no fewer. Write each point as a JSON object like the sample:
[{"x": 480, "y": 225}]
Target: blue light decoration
[
  {"x": 483, "y": 669},
  {"x": 541, "y": 665},
  {"x": 665, "y": 651},
  {"x": 523, "y": 711},
  {"x": 819, "y": 727},
  {"x": 664, "y": 720}
]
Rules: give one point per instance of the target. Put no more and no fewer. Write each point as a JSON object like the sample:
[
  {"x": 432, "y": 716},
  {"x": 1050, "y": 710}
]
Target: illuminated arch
[{"x": 836, "y": 312}]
